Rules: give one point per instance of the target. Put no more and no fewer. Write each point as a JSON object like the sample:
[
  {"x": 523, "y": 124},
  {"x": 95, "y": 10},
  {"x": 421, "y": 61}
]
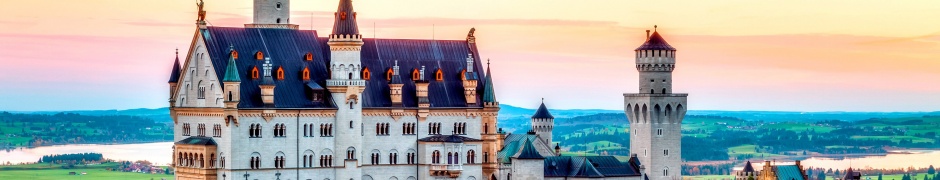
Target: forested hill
[
  {"x": 31, "y": 130},
  {"x": 157, "y": 114}
]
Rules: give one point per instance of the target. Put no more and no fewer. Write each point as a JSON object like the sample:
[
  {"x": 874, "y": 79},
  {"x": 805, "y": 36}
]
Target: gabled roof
[
  {"x": 197, "y": 140},
  {"x": 448, "y": 138},
  {"x": 175, "y": 72},
  {"x": 542, "y": 113},
  {"x": 345, "y": 19},
  {"x": 588, "y": 167},
  {"x": 287, "y": 47},
  {"x": 655, "y": 42},
  {"x": 852, "y": 175},
  {"x": 514, "y": 143},
  {"x": 528, "y": 151},
  {"x": 788, "y": 172}
]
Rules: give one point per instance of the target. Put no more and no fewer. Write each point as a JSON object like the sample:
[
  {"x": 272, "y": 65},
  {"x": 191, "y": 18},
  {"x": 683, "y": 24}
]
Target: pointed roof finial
[
  {"x": 655, "y": 27},
  {"x": 177, "y": 52},
  {"x": 345, "y": 20}
]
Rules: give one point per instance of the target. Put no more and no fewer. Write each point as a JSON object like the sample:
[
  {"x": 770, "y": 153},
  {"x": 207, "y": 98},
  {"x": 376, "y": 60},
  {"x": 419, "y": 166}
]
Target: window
[
  {"x": 326, "y": 129},
  {"x": 436, "y": 157},
  {"x": 217, "y": 130},
  {"x": 665, "y": 152},
  {"x": 471, "y": 157},
  {"x": 254, "y": 72},
  {"x": 255, "y": 161},
  {"x": 254, "y": 131},
  {"x": 463, "y": 74},
  {"x": 185, "y": 129},
  {"x": 326, "y": 160},
  {"x": 408, "y": 129},
  {"x": 393, "y": 158},
  {"x": 234, "y": 54},
  {"x": 375, "y": 158},
  {"x": 434, "y": 128},
  {"x": 259, "y": 55},
  {"x": 306, "y": 74},
  {"x": 350, "y": 153},
  {"x": 439, "y": 75},
  {"x": 280, "y": 130},
  {"x": 388, "y": 74},
  {"x": 415, "y": 75},
  {"x": 381, "y": 129},
  {"x": 666, "y": 172},
  {"x": 486, "y": 157},
  {"x": 459, "y": 128},
  {"x": 366, "y": 74},
  {"x": 350, "y": 122},
  {"x": 280, "y": 73},
  {"x": 279, "y": 161},
  {"x": 222, "y": 162},
  {"x": 308, "y": 57},
  {"x": 411, "y": 158},
  {"x": 278, "y": 6},
  {"x": 201, "y": 130},
  {"x": 450, "y": 158},
  {"x": 659, "y": 132}
]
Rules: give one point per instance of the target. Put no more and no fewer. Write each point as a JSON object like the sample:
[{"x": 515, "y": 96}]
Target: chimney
[{"x": 647, "y": 35}]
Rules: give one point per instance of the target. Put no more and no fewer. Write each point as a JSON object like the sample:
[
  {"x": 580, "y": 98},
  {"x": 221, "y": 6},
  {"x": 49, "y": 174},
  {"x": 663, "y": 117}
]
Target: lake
[
  {"x": 160, "y": 153},
  {"x": 893, "y": 160}
]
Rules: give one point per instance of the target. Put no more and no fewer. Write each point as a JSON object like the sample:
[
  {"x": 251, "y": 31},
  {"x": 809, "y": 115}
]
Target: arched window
[
  {"x": 350, "y": 153},
  {"x": 415, "y": 75},
  {"x": 652, "y": 91},
  {"x": 366, "y": 74},
  {"x": 439, "y": 75},
  {"x": 388, "y": 74},
  {"x": 450, "y": 157},
  {"x": 259, "y": 55},
  {"x": 436, "y": 157},
  {"x": 664, "y": 90},
  {"x": 665, "y": 171},
  {"x": 306, "y": 74},
  {"x": 234, "y": 54},
  {"x": 470, "y": 157},
  {"x": 254, "y": 72},
  {"x": 280, "y": 73},
  {"x": 308, "y": 56}
]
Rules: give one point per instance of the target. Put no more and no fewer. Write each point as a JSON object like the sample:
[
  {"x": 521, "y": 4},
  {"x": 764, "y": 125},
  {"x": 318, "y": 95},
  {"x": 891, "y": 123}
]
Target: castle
[{"x": 285, "y": 103}]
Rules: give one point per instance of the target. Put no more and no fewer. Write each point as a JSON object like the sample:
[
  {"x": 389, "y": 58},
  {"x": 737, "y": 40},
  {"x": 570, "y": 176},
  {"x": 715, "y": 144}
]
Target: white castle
[{"x": 270, "y": 101}]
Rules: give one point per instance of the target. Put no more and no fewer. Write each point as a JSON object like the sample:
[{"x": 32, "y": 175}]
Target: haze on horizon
[{"x": 837, "y": 55}]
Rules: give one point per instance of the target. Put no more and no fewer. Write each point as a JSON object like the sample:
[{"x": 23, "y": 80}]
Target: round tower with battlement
[
  {"x": 656, "y": 113},
  {"x": 271, "y": 12},
  {"x": 542, "y": 123}
]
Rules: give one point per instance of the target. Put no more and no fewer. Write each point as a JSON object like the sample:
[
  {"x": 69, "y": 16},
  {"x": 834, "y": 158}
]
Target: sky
[{"x": 837, "y": 55}]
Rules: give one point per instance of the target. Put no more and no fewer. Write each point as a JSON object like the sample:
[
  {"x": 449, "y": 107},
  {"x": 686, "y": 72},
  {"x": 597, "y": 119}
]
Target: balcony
[
  {"x": 451, "y": 170},
  {"x": 345, "y": 82}
]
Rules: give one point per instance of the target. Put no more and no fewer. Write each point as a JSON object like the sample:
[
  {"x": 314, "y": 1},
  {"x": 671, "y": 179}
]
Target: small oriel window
[
  {"x": 439, "y": 75},
  {"x": 415, "y": 75},
  {"x": 388, "y": 74},
  {"x": 306, "y": 74},
  {"x": 280, "y": 73},
  {"x": 254, "y": 72},
  {"x": 366, "y": 74},
  {"x": 308, "y": 57},
  {"x": 259, "y": 55}
]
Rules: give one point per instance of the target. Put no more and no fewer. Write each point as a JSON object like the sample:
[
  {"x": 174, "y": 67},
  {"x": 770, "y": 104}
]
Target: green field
[
  {"x": 747, "y": 149},
  {"x": 800, "y": 127},
  {"x": 54, "y": 172},
  {"x": 895, "y": 138}
]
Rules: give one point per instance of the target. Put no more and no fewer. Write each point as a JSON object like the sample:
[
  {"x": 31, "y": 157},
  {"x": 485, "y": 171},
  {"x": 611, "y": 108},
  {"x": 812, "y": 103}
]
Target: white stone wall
[
  {"x": 198, "y": 72},
  {"x": 267, "y": 11},
  {"x": 645, "y": 140},
  {"x": 528, "y": 169}
]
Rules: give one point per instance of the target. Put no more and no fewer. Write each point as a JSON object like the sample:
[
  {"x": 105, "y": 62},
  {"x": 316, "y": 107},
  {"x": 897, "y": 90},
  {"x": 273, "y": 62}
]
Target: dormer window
[
  {"x": 439, "y": 75},
  {"x": 463, "y": 75},
  {"x": 366, "y": 74},
  {"x": 388, "y": 74},
  {"x": 306, "y": 74},
  {"x": 308, "y": 57},
  {"x": 415, "y": 75},
  {"x": 254, "y": 72},
  {"x": 259, "y": 55},
  {"x": 234, "y": 54},
  {"x": 280, "y": 73}
]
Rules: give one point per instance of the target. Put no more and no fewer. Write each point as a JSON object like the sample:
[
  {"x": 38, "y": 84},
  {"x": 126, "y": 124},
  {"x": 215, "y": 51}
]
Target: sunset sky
[{"x": 858, "y": 55}]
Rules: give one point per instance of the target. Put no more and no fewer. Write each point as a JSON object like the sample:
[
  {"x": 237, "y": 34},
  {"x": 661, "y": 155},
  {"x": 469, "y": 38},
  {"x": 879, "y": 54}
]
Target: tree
[
  {"x": 931, "y": 170},
  {"x": 925, "y": 177},
  {"x": 821, "y": 176},
  {"x": 750, "y": 177},
  {"x": 879, "y": 176}
]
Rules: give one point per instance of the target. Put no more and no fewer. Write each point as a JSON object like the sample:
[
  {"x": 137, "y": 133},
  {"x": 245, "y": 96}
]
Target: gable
[{"x": 199, "y": 85}]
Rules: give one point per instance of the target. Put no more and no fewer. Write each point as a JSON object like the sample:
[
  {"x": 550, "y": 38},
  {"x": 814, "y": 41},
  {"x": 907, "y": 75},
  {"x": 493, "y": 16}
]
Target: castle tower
[
  {"x": 346, "y": 86},
  {"x": 493, "y": 141},
  {"x": 272, "y": 14},
  {"x": 232, "y": 89},
  {"x": 655, "y": 113},
  {"x": 174, "y": 81},
  {"x": 543, "y": 122}
]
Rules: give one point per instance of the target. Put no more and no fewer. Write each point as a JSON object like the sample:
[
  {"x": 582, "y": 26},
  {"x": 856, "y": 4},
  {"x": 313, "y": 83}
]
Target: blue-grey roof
[
  {"x": 542, "y": 113},
  {"x": 748, "y": 167},
  {"x": 655, "y": 42},
  {"x": 345, "y": 19},
  {"x": 528, "y": 151},
  {"x": 197, "y": 140},
  {"x": 448, "y": 138},
  {"x": 489, "y": 93},
  {"x": 287, "y": 48},
  {"x": 588, "y": 167},
  {"x": 789, "y": 172}
]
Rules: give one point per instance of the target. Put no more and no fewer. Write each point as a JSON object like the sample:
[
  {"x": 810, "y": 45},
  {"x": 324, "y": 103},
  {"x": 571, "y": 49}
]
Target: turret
[
  {"x": 489, "y": 92},
  {"x": 174, "y": 78},
  {"x": 655, "y": 60},
  {"x": 470, "y": 82},
  {"x": 543, "y": 122},
  {"x": 232, "y": 88}
]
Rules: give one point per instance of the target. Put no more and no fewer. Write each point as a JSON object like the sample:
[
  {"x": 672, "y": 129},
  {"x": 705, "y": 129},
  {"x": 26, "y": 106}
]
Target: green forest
[{"x": 32, "y": 130}]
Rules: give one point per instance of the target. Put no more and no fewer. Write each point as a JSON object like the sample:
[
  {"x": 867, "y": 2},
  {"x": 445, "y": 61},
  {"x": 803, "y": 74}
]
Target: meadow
[{"x": 55, "y": 172}]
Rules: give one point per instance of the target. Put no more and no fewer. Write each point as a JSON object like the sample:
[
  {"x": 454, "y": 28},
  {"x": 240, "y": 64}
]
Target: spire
[
  {"x": 175, "y": 73},
  {"x": 655, "y": 42},
  {"x": 748, "y": 167},
  {"x": 489, "y": 95},
  {"x": 396, "y": 79},
  {"x": 231, "y": 72},
  {"x": 345, "y": 19},
  {"x": 543, "y": 113}
]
